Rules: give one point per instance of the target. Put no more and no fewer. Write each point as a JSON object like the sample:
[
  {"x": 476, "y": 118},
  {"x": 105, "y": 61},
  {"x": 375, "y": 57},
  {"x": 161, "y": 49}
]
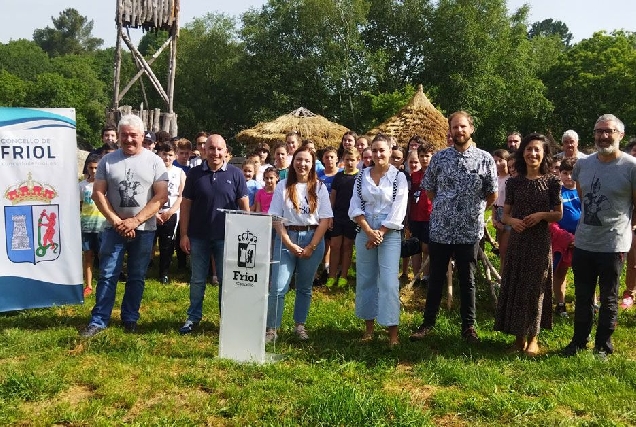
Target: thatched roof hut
[
  {"x": 310, "y": 126},
  {"x": 419, "y": 117}
]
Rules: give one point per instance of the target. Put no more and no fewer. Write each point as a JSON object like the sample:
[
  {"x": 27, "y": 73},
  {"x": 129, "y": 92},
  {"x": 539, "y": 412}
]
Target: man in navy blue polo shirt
[{"x": 212, "y": 185}]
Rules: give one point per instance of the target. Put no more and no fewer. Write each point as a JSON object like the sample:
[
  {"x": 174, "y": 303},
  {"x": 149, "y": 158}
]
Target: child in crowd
[
  {"x": 263, "y": 151},
  {"x": 420, "y": 207},
  {"x": 361, "y": 144},
  {"x": 563, "y": 231},
  {"x": 183, "y": 152},
  {"x": 556, "y": 162},
  {"x": 91, "y": 220},
  {"x": 255, "y": 158},
  {"x": 249, "y": 171},
  {"x": 280, "y": 160},
  {"x": 264, "y": 195},
  {"x": 348, "y": 141},
  {"x": 397, "y": 157},
  {"x": 168, "y": 215},
  {"x": 503, "y": 231},
  {"x": 367, "y": 159},
  {"x": 343, "y": 231},
  {"x": 512, "y": 170},
  {"x": 330, "y": 162},
  {"x": 320, "y": 169},
  {"x": 412, "y": 166}
]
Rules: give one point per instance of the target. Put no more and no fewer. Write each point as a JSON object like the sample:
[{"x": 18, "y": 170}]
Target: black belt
[{"x": 301, "y": 227}]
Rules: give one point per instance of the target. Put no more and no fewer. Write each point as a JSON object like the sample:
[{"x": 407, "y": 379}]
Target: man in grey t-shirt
[
  {"x": 131, "y": 184},
  {"x": 606, "y": 183}
]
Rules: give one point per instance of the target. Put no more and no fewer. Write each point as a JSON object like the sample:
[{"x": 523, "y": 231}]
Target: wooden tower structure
[{"x": 149, "y": 15}]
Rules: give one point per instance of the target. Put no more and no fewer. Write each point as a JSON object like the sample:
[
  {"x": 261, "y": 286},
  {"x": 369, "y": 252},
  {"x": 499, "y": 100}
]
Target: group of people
[{"x": 366, "y": 195}]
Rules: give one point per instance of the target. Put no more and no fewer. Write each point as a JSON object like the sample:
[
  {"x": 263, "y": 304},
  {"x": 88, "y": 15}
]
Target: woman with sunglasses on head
[{"x": 378, "y": 206}]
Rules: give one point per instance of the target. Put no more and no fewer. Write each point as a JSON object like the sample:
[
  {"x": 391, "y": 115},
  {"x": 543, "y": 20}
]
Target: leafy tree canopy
[{"x": 71, "y": 34}]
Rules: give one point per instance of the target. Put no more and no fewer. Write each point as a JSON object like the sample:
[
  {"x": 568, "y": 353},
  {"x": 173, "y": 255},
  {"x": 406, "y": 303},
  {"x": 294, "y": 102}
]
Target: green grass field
[{"x": 49, "y": 376}]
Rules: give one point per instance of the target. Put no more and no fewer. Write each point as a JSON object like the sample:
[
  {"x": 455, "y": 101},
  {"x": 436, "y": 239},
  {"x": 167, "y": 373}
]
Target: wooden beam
[
  {"x": 117, "y": 70},
  {"x": 151, "y": 75},
  {"x": 141, "y": 71}
]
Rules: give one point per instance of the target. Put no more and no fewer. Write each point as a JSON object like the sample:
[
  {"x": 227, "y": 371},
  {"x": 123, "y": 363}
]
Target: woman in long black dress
[{"x": 533, "y": 199}]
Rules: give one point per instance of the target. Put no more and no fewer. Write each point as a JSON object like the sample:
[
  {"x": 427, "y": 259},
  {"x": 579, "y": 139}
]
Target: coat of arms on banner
[
  {"x": 247, "y": 249},
  {"x": 32, "y": 223}
]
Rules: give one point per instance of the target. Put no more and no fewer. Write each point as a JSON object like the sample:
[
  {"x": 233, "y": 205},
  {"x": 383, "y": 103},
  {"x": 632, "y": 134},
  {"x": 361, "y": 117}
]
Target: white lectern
[{"x": 246, "y": 266}]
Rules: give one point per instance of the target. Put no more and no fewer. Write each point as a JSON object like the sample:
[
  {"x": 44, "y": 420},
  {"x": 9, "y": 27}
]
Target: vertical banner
[
  {"x": 41, "y": 258},
  {"x": 248, "y": 240}
]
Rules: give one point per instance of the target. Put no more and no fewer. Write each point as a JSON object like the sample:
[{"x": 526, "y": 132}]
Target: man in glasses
[{"x": 606, "y": 183}]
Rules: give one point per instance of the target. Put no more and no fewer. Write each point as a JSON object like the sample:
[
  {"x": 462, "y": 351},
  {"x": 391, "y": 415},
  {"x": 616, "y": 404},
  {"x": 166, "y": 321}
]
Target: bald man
[{"x": 213, "y": 185}]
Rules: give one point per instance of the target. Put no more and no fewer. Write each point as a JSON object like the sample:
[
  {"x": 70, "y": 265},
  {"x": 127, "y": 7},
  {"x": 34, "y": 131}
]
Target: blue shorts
[{"x": 91, "y": 242}]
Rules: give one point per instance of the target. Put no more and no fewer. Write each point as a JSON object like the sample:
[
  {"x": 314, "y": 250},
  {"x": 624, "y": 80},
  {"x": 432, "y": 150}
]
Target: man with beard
[
  {"x": 513, "y": 140},
  {"x": 461, "y": 181},
  {"x": 606, "y": 183}
]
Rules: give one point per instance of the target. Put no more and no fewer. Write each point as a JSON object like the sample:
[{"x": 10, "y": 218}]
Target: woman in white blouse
[
  {"x": 304, "y": 202},
  {"x": 378, "y": 206}
]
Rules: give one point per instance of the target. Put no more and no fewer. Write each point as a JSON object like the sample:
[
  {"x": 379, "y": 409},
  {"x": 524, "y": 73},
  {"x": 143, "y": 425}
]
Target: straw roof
[
  {"x": 419, "y": 117},
  {"x": 309, "y": 125}
]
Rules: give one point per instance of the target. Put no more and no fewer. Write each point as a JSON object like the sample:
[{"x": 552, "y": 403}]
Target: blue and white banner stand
[
  {"x": 246, "y": 267},
  {"x": 41, "y": 259}
]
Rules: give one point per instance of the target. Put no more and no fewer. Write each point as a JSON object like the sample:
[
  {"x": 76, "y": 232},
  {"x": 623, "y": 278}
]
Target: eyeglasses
[{"x": 607, "y": 131}]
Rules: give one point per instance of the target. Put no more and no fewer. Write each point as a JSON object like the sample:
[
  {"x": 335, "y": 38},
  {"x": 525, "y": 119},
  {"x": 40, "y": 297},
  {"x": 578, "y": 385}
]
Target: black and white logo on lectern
[{"x": 247, "y": 249}]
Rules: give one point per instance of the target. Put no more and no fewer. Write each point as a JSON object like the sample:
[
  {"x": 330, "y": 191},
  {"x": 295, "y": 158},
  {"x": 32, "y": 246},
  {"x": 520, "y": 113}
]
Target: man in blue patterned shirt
[{"x": 462, "y": 182}]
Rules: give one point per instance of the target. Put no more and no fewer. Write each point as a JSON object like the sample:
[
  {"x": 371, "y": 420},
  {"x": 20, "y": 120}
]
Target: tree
[
  {"x": 479, "y": 59},
  {"x": 595, "y": 76},
  {"x": 397, "y": 32},
  {"x": 308, "y": 53},
  {"x": 12, "y": 90},
  {"x": 71, "y": 34},
  {"x": 551, "y": 28},
  {"x": 24, "y": 59}
]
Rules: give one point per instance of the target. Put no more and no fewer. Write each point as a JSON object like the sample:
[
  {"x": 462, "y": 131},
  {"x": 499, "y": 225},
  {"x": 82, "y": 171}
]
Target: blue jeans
[
  {"x": 200, "y": 251},
  {"x": 282, "y": 273},
  {"x": 377, "y": 284},
  {"x": 111, "y": 259},
  {"x": 590, "y": 267}
]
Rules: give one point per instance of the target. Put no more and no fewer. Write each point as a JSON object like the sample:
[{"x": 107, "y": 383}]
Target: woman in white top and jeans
[
  {"x": 378, "y": 206},
  {"x": 304, "y": 202}
]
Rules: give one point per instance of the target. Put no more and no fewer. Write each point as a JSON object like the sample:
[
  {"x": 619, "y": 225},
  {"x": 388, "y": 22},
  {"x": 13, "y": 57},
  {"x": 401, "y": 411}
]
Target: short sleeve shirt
[
  {"x": 606, "y": 202},
  {"x": 461, "y": 182},
  {"x": 282, "y": 206},
  {"x": 129, "y": 181},
  {"x": 209, "y": 191}
]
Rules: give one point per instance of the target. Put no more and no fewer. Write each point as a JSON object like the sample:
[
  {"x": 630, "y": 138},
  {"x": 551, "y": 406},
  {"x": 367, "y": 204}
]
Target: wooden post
[{"x": 117, "y": 70}]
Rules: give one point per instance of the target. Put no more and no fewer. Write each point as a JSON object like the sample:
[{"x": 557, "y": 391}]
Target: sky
[{"x": 583, "y": 17}]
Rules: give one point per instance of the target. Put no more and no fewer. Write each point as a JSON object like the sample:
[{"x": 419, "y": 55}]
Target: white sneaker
[{"x": 301, "y": 333}]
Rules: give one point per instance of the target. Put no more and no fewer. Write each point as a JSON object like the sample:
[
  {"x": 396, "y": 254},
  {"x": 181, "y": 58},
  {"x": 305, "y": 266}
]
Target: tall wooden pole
[{"x": 117, "y": 71}]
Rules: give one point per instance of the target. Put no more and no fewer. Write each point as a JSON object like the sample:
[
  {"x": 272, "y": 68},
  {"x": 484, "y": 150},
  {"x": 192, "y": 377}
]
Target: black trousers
[
  {"x": 165, "y": 234},
  {"x": 588, "y": 268},
  {"x": 440, "y": 255}
]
